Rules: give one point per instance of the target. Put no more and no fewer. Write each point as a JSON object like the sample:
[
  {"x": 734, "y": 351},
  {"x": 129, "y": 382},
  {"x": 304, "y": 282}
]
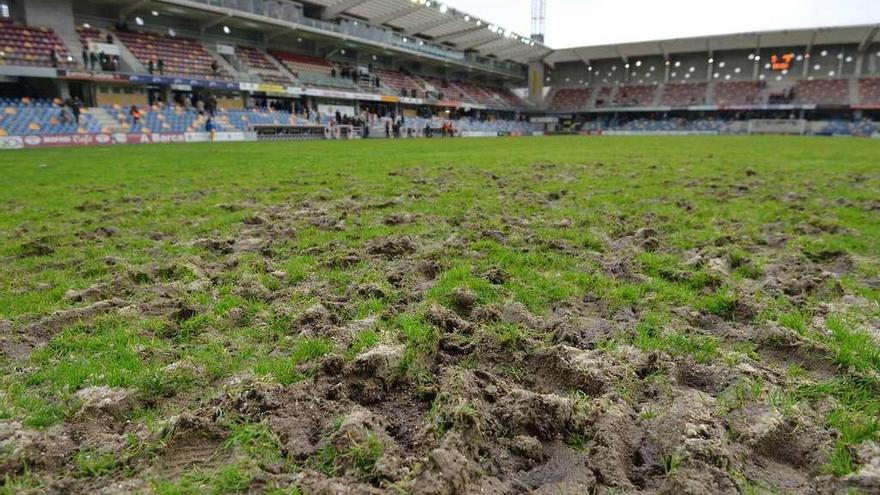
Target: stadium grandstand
[{"x": 382, "y": 68}]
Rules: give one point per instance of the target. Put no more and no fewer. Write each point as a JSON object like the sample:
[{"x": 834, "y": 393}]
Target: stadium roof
[
  {"x": 428, "y": 19},
  {"x": 861, "y": 35},
  {"x": 436, "y": 21}
]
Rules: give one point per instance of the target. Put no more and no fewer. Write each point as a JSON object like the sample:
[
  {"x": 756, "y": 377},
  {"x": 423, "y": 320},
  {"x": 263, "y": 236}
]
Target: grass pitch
[{"x": 565, "y": 315}]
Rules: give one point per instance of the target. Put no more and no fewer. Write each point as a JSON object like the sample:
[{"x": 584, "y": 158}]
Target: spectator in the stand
[
  {"x": 115, "y": 66},
  {"x": 378, "y": 84},
  {"x": 85, "y": 56},
  {"x": 109, "y": 39},
  {"x": 93, "y": 59},
  {"x": 387, "y": 128},
  {"x": 53, "y": 57},
  {"x": 210, "y": 127},
  {"x": 66, "y": 114},
  {"x": 135, "y": 115},
  {"x": 102, "y": 58},
  {"x": 151, "y": 67},
  {"x": 215, "y": 68},
  {"x": 200, "y": 107},
  {"x": 338, "y": 117},
  {"x": 333, "y": 72},
  {"x": 161, "y": 66},
  {"x": 76, "y": 108}
]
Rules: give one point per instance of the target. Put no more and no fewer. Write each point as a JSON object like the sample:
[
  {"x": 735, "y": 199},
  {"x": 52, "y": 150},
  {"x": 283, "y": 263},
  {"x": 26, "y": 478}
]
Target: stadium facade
[{"x": 289, "y": 67}]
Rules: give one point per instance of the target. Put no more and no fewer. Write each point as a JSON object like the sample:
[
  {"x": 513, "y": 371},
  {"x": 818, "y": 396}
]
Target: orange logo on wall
[{"x": 781, "y": 62}]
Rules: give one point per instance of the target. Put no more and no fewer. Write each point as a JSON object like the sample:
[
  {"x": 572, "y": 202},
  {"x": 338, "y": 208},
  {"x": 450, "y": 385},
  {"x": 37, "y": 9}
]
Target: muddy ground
[{"x": 616, "y": 325}]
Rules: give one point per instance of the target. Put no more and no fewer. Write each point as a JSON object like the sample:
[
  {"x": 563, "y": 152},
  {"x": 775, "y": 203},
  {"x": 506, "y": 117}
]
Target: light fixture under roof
[
  {"x": 444, "y": 8},
  {"x": 226, "y": 29},
  {"x": 155, "y": 13},
  {"x": 138, "y": 21}
]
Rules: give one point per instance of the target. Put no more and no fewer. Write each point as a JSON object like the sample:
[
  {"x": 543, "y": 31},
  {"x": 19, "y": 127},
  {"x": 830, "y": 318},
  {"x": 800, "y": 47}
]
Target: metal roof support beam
[
  {"x": 501, "y": 49},
  {"x": 757, "y": 69},
  {"x": 476, "y": 44},
  {"x": 869, "y": 38},
  {"x": 512, "y": 53},
  {"x": 513, "y": 50},
  {"x": 809, "y": 52},
  {"x": 451, "y": 36},
  {"x": 339, "y": 7},
  {"x": 418, "y": 28},
  {"x": 396, "y": 14},
  {"x": 276, "y": 33},
  {"x": 131, "y": 8},
  {"x": 209, "y": 24},
  {"x": 663, "y": 50}
]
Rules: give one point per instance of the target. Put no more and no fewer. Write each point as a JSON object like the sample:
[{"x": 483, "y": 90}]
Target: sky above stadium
[{"x": 598, "y": 22}]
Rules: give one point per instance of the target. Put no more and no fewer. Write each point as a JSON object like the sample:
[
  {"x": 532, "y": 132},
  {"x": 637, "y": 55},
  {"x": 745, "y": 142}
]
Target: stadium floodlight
[
  {"x": 638, "y": 63},
  {"x": 817, "y": 67},
  {"x": 711, "y": 60},
  {"x": 138, "y": 21},
  {"x": 467, "y": 18},
  {"x": 824, "y": 53},
  {"x": 722, "y": 64},
  {"x": 767, "y": 66},
  {"x": 87, "y": 25},
  {"x": 155, "y": 13},
  {"x": 751, "y": 56},
  {"x": 737, "y": 70},
  {"x": 172, "y": 32},
  {"x": 716, "y": 75},
  {"x": 226, "y": 29},
  {"x": 832, "y": 73},
  {"x": 849, "y": 59},
  {"x": 757, "y": 58},
  {"x": 668, "y": 62},
  {"x": 626, "y": 66},
  {"x": 444, "y": 8},
  {"x": 479, "y": 22},
  {"x": 678, "y": 63}
]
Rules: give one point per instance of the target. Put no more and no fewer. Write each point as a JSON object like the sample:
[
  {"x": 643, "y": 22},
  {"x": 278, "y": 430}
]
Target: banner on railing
[
  {"x": 105, "y": 48},
  {"x": 63, "y": 140}
]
